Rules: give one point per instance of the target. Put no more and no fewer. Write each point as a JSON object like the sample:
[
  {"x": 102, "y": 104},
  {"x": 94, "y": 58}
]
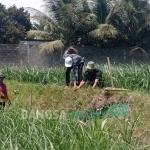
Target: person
[
  {"x": 92, "y": 77},
  {"x": 3, "y": 93},
  {"x": 73, "y": 62}
]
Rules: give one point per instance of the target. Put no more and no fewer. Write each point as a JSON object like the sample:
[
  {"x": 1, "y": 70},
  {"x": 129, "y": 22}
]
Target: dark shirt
[
  {"x": 76, "y": 61},
  {"x": 91, "y": 76}
]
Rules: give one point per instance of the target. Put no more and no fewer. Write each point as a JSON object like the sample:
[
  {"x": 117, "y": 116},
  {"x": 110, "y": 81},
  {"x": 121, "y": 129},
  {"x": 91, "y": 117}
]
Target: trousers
[
  {"x": 2, "y": 105},
  {"x": 79, "y": 73}
]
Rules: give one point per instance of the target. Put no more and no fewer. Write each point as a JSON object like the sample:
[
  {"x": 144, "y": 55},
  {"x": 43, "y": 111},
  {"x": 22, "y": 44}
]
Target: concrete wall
[{"x": 27, "y": 54}]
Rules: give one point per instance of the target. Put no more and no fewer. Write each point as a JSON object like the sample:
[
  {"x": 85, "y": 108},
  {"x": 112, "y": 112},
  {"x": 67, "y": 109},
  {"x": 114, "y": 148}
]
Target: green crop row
[{"x": 126, "y": 76}]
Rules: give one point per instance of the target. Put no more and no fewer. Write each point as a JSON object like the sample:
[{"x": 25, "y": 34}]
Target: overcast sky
[{"x": 23, "y": 3}]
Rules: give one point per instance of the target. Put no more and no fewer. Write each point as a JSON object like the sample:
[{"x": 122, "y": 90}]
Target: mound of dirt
[{"x": 104, "y": 100}]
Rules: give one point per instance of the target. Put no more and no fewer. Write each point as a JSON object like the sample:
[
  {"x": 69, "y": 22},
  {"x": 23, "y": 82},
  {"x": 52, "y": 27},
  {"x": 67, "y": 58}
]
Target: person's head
[
  {"x": 90, "y": 66},
  {"x": 72, "y": 50},
  {"x": 1, "y": 78},
  {"x": 68, "y": 62}
]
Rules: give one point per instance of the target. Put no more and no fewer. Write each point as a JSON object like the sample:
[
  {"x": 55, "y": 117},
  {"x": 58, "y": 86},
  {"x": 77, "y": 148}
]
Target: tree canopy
[
  {"x": 64, "y": 21},
  {"x": 106, "y": 23},
  {"x": 14, "y": 24}
]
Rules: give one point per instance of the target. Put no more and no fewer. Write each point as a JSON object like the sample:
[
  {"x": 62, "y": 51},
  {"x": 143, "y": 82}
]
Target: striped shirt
[{"x": 77, "y": 60}]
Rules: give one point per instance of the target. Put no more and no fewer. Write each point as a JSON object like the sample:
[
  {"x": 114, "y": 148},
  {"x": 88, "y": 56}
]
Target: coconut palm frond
[
  {"x": 45, "y": 22},
  {"x": 67, "y": 16},
  {"x": 130, "y": 8},
  {"x": 88, "y": 23},
  {"x": 36, "y": 12},
  {"x": 111, "y": 13},
  {"x": 104, "y": 31},
  {"x": 37, "y": 34},
  {"x": 42, "y": 17},
  {"x": 144, "y": 30},
  {"x": 123, "y": 9},
  {"x": 147, "y": 25},
  {"x": 36, "y": 26},
  {"x": 50, "y": 47}
]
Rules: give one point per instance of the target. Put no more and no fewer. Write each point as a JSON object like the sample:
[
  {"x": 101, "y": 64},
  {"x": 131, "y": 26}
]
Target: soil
[{"x": 106, "y": 99}]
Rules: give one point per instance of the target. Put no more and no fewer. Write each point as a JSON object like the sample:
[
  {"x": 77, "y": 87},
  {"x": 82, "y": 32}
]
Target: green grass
[
  {"x": 133, "y": 77},
  {"x": 124, "y": 133},
  {"x": 30, "y": 134}
]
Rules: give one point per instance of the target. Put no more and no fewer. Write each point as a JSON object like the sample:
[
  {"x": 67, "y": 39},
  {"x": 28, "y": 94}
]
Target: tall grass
[
  {"x": 126, "y": 76},
  {"x": 44, "y": 134},
  {"x": 54, "y": 134},
  {"x": 35, "y": 75}
]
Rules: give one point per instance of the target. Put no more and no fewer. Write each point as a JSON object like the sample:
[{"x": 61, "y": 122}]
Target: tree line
[
  {"x": 14, "y": 24},
  {"x": 102, "y": 23}
]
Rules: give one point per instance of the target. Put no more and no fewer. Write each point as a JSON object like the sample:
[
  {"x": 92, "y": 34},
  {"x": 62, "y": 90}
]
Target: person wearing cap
[
  {"x": 73, "y": 62},
  {"x": 92, "y": 76},
  {"x": 3, "y": 93}
]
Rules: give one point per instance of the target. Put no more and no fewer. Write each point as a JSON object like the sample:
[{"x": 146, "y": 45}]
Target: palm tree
[
  {"x": 131, "y": 18},
  {"x": 65, "y": 20}
]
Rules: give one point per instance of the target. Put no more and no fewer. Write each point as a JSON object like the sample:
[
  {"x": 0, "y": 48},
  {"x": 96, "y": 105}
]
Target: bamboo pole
[{"x": 112, "y": 84}]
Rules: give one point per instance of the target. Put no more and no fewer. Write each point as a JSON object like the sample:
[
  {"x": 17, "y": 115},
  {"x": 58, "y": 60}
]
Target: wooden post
[
  {"x": 112, "y": 84},
  {"x": 31, "y": 98},
  {"x": 21, "y": 71}
]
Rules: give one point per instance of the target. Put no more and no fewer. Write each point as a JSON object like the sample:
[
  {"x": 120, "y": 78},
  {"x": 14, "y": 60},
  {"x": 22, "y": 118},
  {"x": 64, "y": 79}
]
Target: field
[{"x": 21, "y": 128}]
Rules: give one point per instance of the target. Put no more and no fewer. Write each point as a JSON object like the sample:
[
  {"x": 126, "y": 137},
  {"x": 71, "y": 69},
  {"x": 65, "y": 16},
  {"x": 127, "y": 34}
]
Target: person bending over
[
  {"x": 73, "y": 62},
  {"x": 92, "y": 77}
]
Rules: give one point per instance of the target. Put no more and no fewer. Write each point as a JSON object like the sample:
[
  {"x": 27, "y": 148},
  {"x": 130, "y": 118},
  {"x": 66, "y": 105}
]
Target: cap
[{"x": 68, "y": 62}]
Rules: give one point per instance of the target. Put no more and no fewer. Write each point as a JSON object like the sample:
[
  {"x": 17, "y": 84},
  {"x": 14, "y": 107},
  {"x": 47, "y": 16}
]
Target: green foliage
[
  {"x": 131, "y": 18},
  {"x": 15, "y": 22},
  {"x": 124, "y": 128},
  {"x": 104, "y": 31},
  {"x": 101, "y": 9},
  {"x": 19, "y": 132},
  {"x": 51, "y": 46},
  {"x": 71, "y": 20},
  {"x": 23, "y": 128},
  {"x": 133, "y": 77}
]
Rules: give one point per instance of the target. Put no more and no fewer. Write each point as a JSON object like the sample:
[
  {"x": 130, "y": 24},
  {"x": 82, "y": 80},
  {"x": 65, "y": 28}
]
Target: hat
[
  {"x": 90, "y": 65},
  {"x": 68, "y": 62}
]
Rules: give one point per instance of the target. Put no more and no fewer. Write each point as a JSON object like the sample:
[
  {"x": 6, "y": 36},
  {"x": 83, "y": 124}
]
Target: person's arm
[
  {"x": 66, "y": 54},
  {"x": 5, "y": 94},
  {"x": 81, "y": 84},
  {"x": 95, "y": 83},
  {"x": 9, "y": 102},
  {"x": 98, "y": 78}
]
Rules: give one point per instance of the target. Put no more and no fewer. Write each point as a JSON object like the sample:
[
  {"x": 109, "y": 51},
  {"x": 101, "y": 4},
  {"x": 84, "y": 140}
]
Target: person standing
[
  {"x": 3, "y": 93},
  {"x": 74, "y": 62},
  {"x": 92, "y": 77}
]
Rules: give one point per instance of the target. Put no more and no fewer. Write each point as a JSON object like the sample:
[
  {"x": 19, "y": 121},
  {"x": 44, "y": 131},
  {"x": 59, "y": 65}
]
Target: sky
[{"x": 23, "y": 3}]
